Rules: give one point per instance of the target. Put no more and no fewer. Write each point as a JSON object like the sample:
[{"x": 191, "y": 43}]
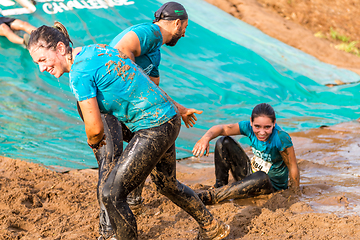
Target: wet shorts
[{"x": 6, "y": 20}]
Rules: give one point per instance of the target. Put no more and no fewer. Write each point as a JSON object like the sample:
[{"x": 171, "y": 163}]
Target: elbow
[
  {"x": 98, "y": 134},
  {"x": 95, "y": 134}
]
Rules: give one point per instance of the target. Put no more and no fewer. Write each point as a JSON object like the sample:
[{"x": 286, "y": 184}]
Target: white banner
[{"x": 57, "y": 6}]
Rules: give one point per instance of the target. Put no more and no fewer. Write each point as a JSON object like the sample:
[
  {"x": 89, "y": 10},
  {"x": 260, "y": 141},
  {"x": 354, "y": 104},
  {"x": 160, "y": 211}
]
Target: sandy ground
[{"x": 37, "y": 203}]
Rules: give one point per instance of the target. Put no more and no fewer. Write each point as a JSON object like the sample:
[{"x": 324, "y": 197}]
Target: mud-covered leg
[
  {"x": 134, "y": 198},
  {"x": 136, "y": 162},
  {"x": 164, "y": 176},
  {"x": 229, "y": 155},
  {"x": 253, "y": 185},
  {"x": 106, "y": 157}
]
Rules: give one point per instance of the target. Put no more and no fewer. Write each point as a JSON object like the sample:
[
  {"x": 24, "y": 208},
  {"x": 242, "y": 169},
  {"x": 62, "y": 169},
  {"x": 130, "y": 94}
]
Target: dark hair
[
  {"x": 48, "y": 37},
  {"x": 263, "y": 109}
]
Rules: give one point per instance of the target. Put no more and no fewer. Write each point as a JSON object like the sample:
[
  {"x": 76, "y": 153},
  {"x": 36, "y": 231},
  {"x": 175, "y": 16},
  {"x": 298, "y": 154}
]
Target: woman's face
[
  {"x": 51, "y": 61},
  {"x": 262, "y": 127}
]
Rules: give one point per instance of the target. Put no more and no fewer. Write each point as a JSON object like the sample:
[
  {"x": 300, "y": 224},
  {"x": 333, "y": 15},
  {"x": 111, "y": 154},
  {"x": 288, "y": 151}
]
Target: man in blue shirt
[
  {"x": 8, "y": 25},
  {"x": 142, "y": 42}
]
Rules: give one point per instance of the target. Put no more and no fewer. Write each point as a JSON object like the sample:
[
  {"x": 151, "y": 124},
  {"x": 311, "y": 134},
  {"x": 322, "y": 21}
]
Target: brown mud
[
  {"x": 37, "y": 203},
  {"x": 295, "y": 22}
]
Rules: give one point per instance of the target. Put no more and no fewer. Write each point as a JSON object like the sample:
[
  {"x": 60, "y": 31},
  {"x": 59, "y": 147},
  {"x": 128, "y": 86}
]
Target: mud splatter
[
  {"x": 120, "y": 68},
  {"x": 102, "y": 45}
]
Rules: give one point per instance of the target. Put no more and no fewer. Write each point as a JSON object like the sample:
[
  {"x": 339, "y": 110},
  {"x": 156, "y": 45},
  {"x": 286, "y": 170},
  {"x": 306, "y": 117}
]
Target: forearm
[
  {"x": 156, "y": 80},
  {"x": 289, "y": 158},
  {"x": 180, "y": 107},
  {"x": 213, "y": 132},
  {"x": 294, "y": 176},
  {"x": 177, "y": 105},
  {"x": 94, "y": 127}
]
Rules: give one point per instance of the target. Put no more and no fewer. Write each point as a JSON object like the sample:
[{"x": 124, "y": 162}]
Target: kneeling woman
[
  {"x": 105, "y": 81},
  {"x": 267, "y": 171}
]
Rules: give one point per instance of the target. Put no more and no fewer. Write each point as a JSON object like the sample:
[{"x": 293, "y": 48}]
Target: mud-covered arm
[
  {"x": 202, "y": 146},
  {"x": 94, "y": 127},
  {"x": 289, "y": 158}
]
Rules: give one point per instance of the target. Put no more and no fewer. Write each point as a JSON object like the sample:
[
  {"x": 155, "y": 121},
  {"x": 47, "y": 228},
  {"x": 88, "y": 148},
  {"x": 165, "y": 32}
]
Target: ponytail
[
  {"x": 59, "y": 26},
  {"x": 48, "y": 37}
]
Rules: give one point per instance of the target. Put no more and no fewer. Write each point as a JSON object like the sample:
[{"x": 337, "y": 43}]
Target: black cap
[{"x": 171, "y": 11}]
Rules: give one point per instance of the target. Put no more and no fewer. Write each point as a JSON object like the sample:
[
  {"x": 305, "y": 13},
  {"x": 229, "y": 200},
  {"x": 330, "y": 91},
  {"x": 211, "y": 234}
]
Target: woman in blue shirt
[
  {"x": 268, "y": 170},
  {"x": 104, "y": 80}
]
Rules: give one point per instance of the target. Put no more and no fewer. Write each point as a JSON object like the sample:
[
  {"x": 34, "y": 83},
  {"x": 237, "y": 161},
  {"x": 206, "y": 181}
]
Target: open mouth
[
  {"x": 261, "y": 137},
  {"x": 51, "y": 71}
]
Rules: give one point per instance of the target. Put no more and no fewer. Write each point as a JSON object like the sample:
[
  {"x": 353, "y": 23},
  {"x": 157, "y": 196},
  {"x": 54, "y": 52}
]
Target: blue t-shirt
[
  {"x": 150, "y": 42},
  {"x": 121, "y": 88},
  {"x": 270, "y": 151}
]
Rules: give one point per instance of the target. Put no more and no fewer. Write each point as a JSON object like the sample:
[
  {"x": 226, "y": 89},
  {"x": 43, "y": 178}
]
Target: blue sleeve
[
  {"x": 245, "y": 128},
  {"x": 82, "y": 83},
  {"x": 149, "y": 42},
  {"x": 285, "y": 140}
]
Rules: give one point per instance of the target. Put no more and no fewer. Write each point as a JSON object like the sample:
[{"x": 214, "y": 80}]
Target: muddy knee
[
  {"x": 261, "y": 180},
  {"x": 106, "y": 196},
  {"x": 164, "y": 186}
]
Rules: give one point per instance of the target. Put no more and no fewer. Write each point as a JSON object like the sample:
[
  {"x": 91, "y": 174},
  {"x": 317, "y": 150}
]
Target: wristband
[{"x": 96, "y": 145}]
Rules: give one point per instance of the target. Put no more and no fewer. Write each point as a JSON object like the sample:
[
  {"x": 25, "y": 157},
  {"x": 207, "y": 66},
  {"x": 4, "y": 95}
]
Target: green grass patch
[
  {"x": 346, "y": 46},
  {"x": 337, "y": 36},
  {"x": 349, "y": 47}
]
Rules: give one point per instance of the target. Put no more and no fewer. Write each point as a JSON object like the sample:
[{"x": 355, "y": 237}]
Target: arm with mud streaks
[
  {"x": 202, "y": 146},
  {"x": 289, "y": 158}
]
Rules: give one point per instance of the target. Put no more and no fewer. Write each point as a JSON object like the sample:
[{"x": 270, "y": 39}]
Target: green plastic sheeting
[{"x": 223, "y": 66}]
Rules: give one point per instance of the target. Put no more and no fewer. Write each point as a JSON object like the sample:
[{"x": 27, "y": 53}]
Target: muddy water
[{"x": 329, "y": 163}]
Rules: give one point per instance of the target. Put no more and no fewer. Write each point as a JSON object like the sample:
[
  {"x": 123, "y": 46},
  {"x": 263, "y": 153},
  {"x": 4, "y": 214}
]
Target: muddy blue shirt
[
  {"x": 121, "y": 88},
  {"x": 150, "y": 42},
  {"x": 270, "y": 151}
]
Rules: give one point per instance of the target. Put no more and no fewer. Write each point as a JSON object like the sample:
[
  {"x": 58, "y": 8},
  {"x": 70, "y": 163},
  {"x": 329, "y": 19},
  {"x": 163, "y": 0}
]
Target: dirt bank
[{"x": 296, "y": 22}]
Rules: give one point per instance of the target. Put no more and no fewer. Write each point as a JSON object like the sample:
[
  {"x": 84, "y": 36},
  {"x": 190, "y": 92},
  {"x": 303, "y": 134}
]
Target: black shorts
[{"x": 6, "y": 20}]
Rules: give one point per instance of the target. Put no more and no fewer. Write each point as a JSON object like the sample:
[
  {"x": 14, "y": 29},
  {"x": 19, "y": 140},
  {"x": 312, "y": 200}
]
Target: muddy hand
[
  {"x": 188, "y": 116},
  {"x": 201, "y": 147}
]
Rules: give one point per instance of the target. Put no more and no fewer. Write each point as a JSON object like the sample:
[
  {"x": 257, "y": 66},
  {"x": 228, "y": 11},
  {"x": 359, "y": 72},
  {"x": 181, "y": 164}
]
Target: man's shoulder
[{"x": 144, "y": 27}]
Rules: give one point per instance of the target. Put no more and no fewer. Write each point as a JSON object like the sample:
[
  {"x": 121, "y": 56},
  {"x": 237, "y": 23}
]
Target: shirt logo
[{"x": 264, "y": 156}]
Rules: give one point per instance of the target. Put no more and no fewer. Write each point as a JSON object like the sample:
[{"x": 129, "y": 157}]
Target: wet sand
[{"x": 37, "y": 203}]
